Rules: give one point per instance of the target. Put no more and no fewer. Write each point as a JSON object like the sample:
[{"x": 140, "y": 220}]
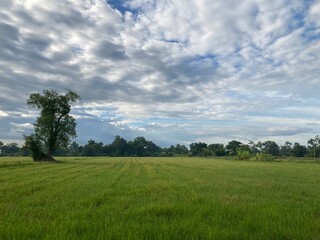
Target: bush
[
  {"x": 220, "y": 153},
  {"x": 264, "y": 157},
  {"x": 34, "y": 146},
  {"x": 243, "y": 154}
]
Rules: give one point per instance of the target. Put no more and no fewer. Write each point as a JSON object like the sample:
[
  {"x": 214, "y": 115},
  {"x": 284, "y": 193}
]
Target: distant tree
[
  {"x": 205, "y": 152},
  {"x": 259, "y": 147},
  {"x": 54, "y": 127},
  {"x": 74, "y": 149},
  {"x": 233, "y": 146},
  {"x": 244, "y": 147},
  {"x": 286, "y": 149},
  {"x": 92, "y": 148},
  {"x": 217, "y": 149},
  {"x": 299, "y": 150},
  {"x": 139, "y": 146},
  {"x": 10, "y": 149},
  {"x": 170, "y": 151},
  {"x": 142, "y": 148},
  {"x": 178, "y": 150},
  {"x": 152, "y": 149},
  {"x": 314, "y": 143},
  {"x": 181, "y": 150},
  {"x": 270, "y": 147},
  {"x": 119, "y": 147},
  {"x": 197, "y": 149},
  {"x": 106, "y": 150},
  {"x": 253, "y": 147}
]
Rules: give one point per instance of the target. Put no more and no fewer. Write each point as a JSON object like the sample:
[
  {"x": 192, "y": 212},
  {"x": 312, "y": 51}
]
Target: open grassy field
[{"x": 158, "y": 198}]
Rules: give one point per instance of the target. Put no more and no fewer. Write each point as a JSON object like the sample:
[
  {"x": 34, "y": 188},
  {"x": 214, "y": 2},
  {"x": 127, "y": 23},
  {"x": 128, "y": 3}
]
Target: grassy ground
[{"x": 158, "y": 198}]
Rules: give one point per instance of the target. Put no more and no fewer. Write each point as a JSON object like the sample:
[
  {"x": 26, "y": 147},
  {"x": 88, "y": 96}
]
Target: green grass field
[{"x": 158, "y": 198}]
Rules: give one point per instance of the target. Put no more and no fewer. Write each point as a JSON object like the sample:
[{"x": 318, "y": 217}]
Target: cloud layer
[{"x": 173, "y": 71}]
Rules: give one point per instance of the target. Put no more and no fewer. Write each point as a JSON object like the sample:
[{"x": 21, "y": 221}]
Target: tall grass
[{"x": 158, "y": 198}]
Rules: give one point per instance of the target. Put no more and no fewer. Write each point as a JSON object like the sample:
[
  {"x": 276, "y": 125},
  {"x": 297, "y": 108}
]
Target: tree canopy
[
  {"x": 140, "y": 147},
  {"x": 54, "y": 127}
]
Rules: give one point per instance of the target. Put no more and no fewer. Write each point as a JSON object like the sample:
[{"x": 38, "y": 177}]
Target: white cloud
[
  {"x": 3, "y": 114},
  {"x": 244, "y": 63}
]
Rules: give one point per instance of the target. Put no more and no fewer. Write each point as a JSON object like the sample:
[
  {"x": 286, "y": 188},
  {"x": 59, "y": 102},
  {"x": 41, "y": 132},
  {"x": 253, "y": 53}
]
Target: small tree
[
  {"x": 54, "y": 127},
  {"x": 243, "y": 154},
  {"x": 34, "y": 145}
]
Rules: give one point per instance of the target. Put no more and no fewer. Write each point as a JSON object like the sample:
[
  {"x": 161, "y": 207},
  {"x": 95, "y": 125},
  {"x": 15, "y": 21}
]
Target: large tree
[{"x": 54, "y": 127}]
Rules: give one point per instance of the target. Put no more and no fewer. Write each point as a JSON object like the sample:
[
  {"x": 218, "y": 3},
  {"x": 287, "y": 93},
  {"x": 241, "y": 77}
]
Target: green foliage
[
  {"x": 54, "y": 128},
  {"x": 197, "y": 149},
  {"x": 314, "y": 146},
  {"x": 217, "y": 149},
  {"x": 286, "y": 149},
  {"x": 178, "y": 151},
  {"x": 158, "y": 198},
  {"x": 119, "y": 147},
  {"x": 264, "y": 157},
  {"x": 299, "y": 150},
  {"x": 243, "y": 154},
  {"x": 233, "y": 146},
  {"x": 9, "y": 149},
  {"x": 270, "y": 147},
  {"x": 92, "y": 148},
  {"x": 205, "y": 152},
  {"x": 35, "y": 146}
]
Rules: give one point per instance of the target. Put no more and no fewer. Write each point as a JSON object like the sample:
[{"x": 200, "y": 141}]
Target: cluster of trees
[
  {"x": 119, "y": 147},
  {"x": 268, "y": 147},
  {"x": 144, "y": 148},
  {"x": 10, "y": 149},
  {"x": 141, "y": 147}
]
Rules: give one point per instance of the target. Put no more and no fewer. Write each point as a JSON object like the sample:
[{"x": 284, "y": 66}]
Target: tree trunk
[{"x": 48, "y": 157}]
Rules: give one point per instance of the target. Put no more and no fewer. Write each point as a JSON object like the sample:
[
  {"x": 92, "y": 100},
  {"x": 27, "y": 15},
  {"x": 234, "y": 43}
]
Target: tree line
[
  {"x": 141, "y": 147},
  {"x": 55, "y": 128}
]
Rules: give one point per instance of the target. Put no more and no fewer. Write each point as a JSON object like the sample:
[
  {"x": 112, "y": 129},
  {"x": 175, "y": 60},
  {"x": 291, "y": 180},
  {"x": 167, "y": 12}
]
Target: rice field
[{"x": 158, "y": 198}]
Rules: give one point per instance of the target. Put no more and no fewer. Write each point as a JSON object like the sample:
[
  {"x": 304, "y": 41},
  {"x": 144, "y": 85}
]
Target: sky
[{"x": 173, "y": 71}]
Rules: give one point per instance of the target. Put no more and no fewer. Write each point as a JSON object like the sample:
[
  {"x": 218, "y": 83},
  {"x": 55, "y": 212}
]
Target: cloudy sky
[{"x": 173, "y": 71}]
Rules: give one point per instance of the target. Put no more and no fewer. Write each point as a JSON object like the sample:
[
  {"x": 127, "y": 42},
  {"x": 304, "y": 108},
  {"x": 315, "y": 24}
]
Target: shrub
[
  {"x": 264, "y": 157},
  {"x": 243, "y": 154},
  {"x": 35, "y": 147}
]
